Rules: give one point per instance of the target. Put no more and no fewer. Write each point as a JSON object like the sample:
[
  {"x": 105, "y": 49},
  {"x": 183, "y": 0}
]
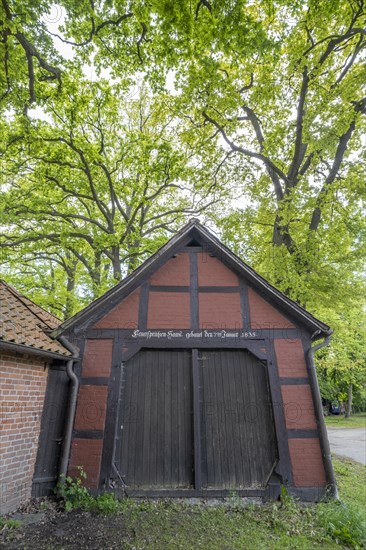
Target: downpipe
[
  {"x": 71, "y": 407},
  {"x": 332, "y": 489}
]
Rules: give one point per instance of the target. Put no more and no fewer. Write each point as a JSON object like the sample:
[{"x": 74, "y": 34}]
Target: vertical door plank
[
  {"x": 155, "y": 446},
  {"x": 196, "y": 421},
  {"x": 239, "y": 439}
]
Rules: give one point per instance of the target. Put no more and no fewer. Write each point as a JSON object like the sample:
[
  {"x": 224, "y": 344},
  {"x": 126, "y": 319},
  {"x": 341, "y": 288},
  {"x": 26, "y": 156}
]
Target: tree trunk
[
  {"x": 52, "y": 278},
  {"x": 281, "y": 235},
  {"x": 116, "y": 263},
  {"x": 70, "y": 291},
  {"x": 133, "y": 259},
  {"x": 349, "y": 402},
  {"x": 95, "y": 274}
]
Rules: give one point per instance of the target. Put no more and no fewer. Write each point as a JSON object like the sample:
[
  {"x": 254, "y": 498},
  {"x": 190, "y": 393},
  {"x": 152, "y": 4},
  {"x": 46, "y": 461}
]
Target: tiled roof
[{"x": 24, "y": 323}]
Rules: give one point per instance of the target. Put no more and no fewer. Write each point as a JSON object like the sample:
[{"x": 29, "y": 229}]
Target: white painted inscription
[{"x": 170, "y": 334}]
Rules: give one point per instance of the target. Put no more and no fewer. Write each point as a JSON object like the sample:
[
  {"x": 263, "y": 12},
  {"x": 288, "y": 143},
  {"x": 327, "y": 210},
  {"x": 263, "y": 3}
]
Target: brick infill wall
[{"x": 23, "y": 381}]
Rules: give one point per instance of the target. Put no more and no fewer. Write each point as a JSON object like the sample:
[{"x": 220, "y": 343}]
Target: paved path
[{"x": 350, "y": 442}]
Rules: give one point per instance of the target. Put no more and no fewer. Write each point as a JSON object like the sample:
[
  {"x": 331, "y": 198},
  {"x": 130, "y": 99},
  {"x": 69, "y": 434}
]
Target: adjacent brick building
[{"x": 26, "y": 352}]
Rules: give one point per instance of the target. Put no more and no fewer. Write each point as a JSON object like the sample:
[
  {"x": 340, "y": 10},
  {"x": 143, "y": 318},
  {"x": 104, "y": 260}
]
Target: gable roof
[
  {"x": 193, "y": 231},
  {"x": 24, "y": 325}
]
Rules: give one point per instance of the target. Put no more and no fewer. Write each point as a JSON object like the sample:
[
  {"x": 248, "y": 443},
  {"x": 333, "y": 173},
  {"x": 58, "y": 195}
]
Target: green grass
[
  {"x": 351, "y": 479},
  {"x": 172, "y": 525},
  {"x": 175, "y": 525},
  {"x": 346, "y": 521},
  {"x": 339, "y": 421},
  {"x": 9, "y": 523}
]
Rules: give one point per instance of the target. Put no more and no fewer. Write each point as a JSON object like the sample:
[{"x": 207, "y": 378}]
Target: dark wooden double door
[{"x": 172, "y": 435}]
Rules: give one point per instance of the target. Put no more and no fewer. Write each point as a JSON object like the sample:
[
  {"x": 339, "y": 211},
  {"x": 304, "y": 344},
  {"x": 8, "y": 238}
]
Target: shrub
[
  {"x": 106, "y": 503},
  {"x": 73, "y": 493}
]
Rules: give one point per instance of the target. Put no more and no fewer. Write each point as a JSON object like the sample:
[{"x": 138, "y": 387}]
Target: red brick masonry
[
  {"x": 298, "y": 406},
  {"x": 263, "y": 315},
  {"x": 212, "y": 272},
  {"x": 169, "y": 310},
  {"x": 22, "y": 390},
  {"x": 219, "y": 310},
  {"x": 91, "y": 408},
  {"x": 174, "y": 272},
  {"x": 290, "y": 358},
  {"x": 97, "y": 358},
  {"x": 86, "y": 453},
  {"x": 125, "y": 315},
  {"x": 307, "y": 462}
]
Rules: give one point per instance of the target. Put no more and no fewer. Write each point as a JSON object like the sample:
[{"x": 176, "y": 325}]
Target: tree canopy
[{"x": 249, "y": 113}]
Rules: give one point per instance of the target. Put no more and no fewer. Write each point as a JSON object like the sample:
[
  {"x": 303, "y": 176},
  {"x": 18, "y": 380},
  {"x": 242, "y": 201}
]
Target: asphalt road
[{"x": 350, "y": 442}]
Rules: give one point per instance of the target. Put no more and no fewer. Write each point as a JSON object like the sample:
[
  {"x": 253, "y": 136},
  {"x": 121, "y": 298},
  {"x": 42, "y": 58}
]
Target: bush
[
  {"x": 76, "y": 496},
  {"x": 105, "y": 504},
  {"x": 73, "y": 493}
]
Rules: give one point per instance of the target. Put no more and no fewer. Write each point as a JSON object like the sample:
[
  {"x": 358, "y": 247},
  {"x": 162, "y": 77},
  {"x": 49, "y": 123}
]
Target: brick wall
[
  {"x": 290, "y": 358},
  {"x": 174, "y": 272},
  {"x": 91, "y": 408},
  {"x": 219, "y": 311},
  {"x": 97, "y": 358},
  {"x": 263, "y": 314},
  {"x": 307, "y": 462},
  {"x": 212, "y": 272},
  {"x": 86, "y": 453},
  {"x": 23, "y": 381},
  {"x": 169, "y": 310},
  {"x": 299, "y": 408},
  {"x": 124, "y": 315}
]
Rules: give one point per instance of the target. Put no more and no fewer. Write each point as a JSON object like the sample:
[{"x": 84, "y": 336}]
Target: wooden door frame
[{"x": 262, "y": 350}]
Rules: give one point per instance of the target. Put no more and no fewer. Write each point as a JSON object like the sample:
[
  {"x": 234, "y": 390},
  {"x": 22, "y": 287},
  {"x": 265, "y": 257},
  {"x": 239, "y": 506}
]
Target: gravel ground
[{"x": 54, "y": 529}]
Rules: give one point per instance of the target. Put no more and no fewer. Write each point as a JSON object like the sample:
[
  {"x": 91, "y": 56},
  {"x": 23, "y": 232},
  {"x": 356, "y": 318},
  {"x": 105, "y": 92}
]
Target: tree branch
[
  {"x": 360, "y": 107},
  {"x": 66, "y": 217},
  {"x": 31, "y": 51},
  {"x": 203, "y": 3},
  {"x": 112, "y": 191},
  {"x": 272, "y": 169},
  {"x": 94, "y": 30},
  {"x": 102, "y": 207},
  {"x": 300, "y": 147},
  {"x": 248, "y": 86},
  {"x": 140, "y": 40}
]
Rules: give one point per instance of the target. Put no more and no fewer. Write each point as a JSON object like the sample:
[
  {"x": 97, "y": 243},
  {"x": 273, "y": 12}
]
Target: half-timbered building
[{"x": 195, "y": 377}]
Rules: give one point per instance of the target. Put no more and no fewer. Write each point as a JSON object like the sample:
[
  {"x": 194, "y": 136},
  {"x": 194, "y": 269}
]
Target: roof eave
[{"x": 20, "y": 348}]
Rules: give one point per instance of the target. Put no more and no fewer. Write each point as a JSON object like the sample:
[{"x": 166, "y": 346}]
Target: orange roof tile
[{"x": 25, "y": 323}]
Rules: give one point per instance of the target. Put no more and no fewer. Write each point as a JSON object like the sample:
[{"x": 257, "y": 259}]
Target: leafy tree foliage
[
  {"x": 264, "y": 97},
  {"x": 290, "y": 115},
  {"x": 291, "y": 109},
  {"x": 96, "y": 189}
]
